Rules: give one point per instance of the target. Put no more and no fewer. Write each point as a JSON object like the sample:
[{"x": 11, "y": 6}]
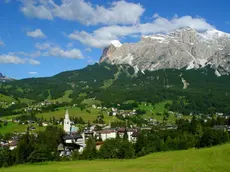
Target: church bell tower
[{"x": 67, "y": 125}]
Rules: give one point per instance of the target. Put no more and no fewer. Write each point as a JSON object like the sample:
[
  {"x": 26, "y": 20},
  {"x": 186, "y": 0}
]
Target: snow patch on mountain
[
  {"x": 217, "y": 73},
  {"x": 116, "y": 43}
]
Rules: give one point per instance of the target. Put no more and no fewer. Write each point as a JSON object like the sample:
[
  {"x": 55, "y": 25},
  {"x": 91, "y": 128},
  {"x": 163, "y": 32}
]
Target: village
[{"x": 76, "y": 138}]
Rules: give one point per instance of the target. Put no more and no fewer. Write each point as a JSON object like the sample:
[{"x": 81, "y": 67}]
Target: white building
[{"x": 67, "y": 125}]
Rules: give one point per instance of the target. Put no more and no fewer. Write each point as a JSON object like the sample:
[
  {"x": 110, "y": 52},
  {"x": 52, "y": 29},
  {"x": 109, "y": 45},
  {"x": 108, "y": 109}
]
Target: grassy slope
[
  {"x": 75, "y": 112},
  {"x": 64, "y": 98},
  {"x": 205, "y": 160},
  {"x": 15, "y": 127},
  {"x": 159, "y": 108}
]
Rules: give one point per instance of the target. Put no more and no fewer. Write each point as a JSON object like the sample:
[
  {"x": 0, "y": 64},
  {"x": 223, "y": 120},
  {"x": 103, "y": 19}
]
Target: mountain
[
  {"x": 4, "y": 78},
  {"x": 188, "y": 67},
  {"x": 196, "y": 91},
  {"x": 182, "y": 48}
]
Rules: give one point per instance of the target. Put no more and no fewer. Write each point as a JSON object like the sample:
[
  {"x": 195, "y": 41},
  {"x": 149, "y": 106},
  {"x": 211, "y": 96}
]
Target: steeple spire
[{"x": 66, "y": 114}]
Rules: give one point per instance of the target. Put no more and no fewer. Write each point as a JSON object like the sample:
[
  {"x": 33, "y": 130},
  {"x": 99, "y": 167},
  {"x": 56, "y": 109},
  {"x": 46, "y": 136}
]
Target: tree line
[{"x": 43, "y": 146}]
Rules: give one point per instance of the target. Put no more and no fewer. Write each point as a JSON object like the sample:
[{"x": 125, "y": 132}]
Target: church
[
  {"x": 68, "y": 125},
  {"x": 67, "y": 122}
]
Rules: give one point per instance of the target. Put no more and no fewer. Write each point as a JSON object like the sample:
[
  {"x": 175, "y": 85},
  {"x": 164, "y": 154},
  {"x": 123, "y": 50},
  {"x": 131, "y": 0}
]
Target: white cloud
[
  {"x": 33, "y": 62},
  {"x": 58, "y": 52},
  {"x": 54, "y": 50},
  {"x": 43, "y": 46},
  {"x": 10, "y": 59},
  {"x": 1, "y": 43},
  {"x": 32, "y": 73},
  {"x": 33, "y": 8},
  {"x": 104, "y": 35},
  {"x": 36, "y": 34},
  {"x": 120, "y": 12},
  {"x": 13, "y": 59},
  {"x": 87, "y": 50},
  {"x": 22, "y": 53},
  {"x": 90, "y": 61}
]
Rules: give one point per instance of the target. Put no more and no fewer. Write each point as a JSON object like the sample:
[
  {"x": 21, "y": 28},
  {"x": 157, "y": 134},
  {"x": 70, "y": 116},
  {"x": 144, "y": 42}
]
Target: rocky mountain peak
[
  {"x": 1, "y": 75},
  {"x": 182, "y": 48}
]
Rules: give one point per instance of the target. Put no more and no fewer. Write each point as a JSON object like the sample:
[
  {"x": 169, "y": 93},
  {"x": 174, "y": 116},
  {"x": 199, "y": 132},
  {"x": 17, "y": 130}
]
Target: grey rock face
[
  {"x": 181, "y": 48},
  {"x": 4, "y": 78}
]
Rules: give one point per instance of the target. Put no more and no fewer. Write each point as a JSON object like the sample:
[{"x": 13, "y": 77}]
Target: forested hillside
[{"x": 196, "y": 91}]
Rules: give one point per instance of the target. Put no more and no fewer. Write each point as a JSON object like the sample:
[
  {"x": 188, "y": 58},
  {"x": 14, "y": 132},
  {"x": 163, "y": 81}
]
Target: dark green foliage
[
  {"x": 188, "y": 135},
  {"x": 206, "y": 94},
  {"x": 117, "y": 148},
  {"x": 213, "y": 137},
  {"x": 90, "y": 151}
]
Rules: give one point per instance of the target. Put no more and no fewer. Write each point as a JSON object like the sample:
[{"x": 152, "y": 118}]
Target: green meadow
[
  {"x": 203, "y": 160},
  {"x": 90, "y": 115},
  {"x": 15, "y": 127}
]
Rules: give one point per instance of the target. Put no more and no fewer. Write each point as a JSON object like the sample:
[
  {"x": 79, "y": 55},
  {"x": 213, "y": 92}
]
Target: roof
[
  {"x": 220, "y": 127},
  {"x": 60, "y": 147},
  {"x": 107, "y": 131},
  {"x": 135, "y": 134},
  {"x": 68, "y": 137}
]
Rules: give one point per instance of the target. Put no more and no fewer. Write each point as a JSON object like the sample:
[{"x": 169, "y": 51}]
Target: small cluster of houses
[
  {"x": 73, "y": 140},
  {"x": 115, "y": 111},
  {"x": 11, "y": 143}
]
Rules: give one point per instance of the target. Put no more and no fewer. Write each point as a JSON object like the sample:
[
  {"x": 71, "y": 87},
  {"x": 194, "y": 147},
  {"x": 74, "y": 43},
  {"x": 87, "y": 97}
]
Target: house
[
  {"x": 121, "y": 132},
  {"x": 112, "y": 133},
  {"x": 107, "y": 134},
  {"x": 44, "y": 124},
  {"x": 12, "y": 145},
  {"x": 32, "y": 128},
  {"x": 98, "y": 145},
  {"x": 220, "y": 127},
  {"x": 134, "y": 136},
  {"x": 74, "y": 142}
]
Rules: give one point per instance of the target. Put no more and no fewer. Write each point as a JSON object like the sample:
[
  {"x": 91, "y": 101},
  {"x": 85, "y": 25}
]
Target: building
[{"x": 67, "y": 122}]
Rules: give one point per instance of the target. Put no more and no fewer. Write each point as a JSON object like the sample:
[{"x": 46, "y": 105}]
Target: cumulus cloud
[
  {"x": 13, "y": 59},
  {"x": 1, "y": 43},
  {"x": 103, "y": 36},
  {"x": 10, "y": 59},
  {"x": 120, "y": 12},
  {"x": 90, "y": 61},
  {"x": 32, "y": 73},
  {"x": 72, "y": 54},
  {"x": 87, "y": 50},
  {"x": 43, "y": 46},
  {"x": 25, "y": 54},
  {"x": 56, "y": 51},
  {"x": 33, "y": 62},
  {"x": 37, "y": 33}
]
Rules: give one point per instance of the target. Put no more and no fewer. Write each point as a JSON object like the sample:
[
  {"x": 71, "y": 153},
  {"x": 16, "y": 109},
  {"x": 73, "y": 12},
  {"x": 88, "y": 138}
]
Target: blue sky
[{"x": 44, "y": 37}]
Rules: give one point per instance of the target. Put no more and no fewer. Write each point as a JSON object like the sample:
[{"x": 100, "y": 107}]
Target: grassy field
[
  {"x": 12, "y": 127},
  {"x": 151, "y": 111},
  {"x": 64, "y": 98},
  {"x": 76, "y": 112},
  {"x": 202, "y": 160},
  {"x": 15, "y": 127}
]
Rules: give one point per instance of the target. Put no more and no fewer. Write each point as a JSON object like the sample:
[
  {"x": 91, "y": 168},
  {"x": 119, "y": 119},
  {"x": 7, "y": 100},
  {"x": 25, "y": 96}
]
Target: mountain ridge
[
  {"x": 181, "y": 48},
  {"x": 4, "y": 78}
]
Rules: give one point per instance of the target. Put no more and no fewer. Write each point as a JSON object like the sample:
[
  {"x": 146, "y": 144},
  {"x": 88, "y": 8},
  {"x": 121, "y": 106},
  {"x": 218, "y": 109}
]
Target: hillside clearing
[{"x": 76, "y": 112}]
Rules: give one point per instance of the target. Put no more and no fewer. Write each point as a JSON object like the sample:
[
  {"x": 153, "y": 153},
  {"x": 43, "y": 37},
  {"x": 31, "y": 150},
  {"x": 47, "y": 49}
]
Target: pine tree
[{"x": 125, "y": 137}]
